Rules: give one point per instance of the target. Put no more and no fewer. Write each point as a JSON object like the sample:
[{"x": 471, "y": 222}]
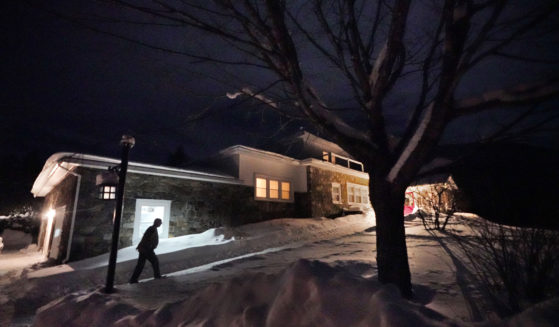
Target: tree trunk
[{"x": 392, "y": 255}]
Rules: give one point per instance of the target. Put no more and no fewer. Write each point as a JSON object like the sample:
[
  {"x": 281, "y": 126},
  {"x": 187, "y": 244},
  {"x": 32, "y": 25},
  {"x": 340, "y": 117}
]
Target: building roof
[
  {"x": 241, "y": 149},
  {"x": 59, "y": 165},
  {"x": 304, "y": 145}
]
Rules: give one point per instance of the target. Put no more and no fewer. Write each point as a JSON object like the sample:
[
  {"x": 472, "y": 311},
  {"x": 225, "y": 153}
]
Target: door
[
  {"x": 58, "y": 221},
  {"x": 147, "y": 210}
]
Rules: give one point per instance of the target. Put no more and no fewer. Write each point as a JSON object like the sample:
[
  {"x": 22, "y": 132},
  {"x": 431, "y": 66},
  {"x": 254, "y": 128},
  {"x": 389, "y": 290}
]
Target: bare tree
[
  {"x": 389, "y": 57},
  {"x": 437, "y": 202},
  {"x": 516, "y": 267}
]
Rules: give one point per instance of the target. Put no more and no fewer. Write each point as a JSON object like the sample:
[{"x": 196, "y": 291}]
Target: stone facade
[
  {"x": 195, "y": 207},
  {"x": 320, "y": 191}
]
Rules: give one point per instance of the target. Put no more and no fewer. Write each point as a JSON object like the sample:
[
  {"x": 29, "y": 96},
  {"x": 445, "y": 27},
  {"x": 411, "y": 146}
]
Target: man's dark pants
[{"x": 152, "y": 258}]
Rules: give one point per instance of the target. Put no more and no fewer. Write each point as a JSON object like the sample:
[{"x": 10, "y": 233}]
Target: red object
[{"x": 409, "y": 209}]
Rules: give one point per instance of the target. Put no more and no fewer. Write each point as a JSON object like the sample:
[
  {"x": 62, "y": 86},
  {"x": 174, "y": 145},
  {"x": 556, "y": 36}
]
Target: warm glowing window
[
  {"x": 107, "y": 192},
  {"x": 285, "y": 190},
  {"x": 364, "y": 196},
  {"x": 261, "y": 187},
  {"x": 357, "y": 194},
  {"x": 272, "y": 189},
  {"x": 336, "y": 193}
]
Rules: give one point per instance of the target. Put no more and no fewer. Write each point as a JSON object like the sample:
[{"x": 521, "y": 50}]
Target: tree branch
[{"x": 518, "y": 95}]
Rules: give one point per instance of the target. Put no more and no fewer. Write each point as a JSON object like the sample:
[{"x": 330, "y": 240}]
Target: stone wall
[
  {"x": 93, "y": 227},
  {"x": 320, "y": 191},
  {"x": 195, "y": 207}
]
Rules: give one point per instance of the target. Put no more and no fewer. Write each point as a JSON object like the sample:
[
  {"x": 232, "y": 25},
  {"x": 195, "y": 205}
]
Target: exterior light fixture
[
  {"x": 50, "y": 214},
  {"x": 107, "y": 182}
]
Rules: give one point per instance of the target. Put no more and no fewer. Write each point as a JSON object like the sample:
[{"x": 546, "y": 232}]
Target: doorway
[{"x": 147, "y": 210}]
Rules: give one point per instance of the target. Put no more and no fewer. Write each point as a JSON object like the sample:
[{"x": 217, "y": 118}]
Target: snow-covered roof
[
  {"x": 59, "y": 165},
  {"x": 241, "y": 149},
  {"x": 237, "y": 149}
]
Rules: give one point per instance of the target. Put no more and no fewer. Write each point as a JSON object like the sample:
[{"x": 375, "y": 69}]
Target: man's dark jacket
[{"x": 149, "y": 240}]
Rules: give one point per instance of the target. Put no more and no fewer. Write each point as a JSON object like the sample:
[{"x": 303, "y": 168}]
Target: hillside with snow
[{"x": 285, "y": 272}]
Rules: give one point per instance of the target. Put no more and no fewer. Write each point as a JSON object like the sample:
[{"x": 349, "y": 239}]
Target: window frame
[
  {"x": 280, "y": 186},
  {"x": 337, "y": 186},
  {"x": 357, "y": 191}
]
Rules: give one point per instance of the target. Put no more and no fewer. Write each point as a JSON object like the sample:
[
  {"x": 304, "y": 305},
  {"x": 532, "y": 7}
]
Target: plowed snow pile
[{"x": 308, "y": 293}]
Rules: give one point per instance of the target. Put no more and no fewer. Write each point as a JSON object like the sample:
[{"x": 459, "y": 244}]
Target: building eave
[
  {"x": 333, "y": 167},
  {"x": 57, "y": 166},
  {"x": 241, "y": 149}
]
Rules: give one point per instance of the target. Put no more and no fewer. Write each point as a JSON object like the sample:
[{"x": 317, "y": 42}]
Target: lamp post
[{"x": 127, "y": 142}]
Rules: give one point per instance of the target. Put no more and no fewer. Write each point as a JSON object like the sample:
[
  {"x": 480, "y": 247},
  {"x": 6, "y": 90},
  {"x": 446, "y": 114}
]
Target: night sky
[{"x": 68, "y": 88}]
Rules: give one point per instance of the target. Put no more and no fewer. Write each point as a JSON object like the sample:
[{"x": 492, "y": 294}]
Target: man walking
[{"x": 146, "y": 249}]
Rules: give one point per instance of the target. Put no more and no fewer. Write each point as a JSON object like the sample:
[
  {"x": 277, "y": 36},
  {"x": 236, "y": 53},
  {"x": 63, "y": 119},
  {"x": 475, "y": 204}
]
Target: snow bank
[
  {"x": 214, "y": 236},
  {"x": 15, "y": 240},
  {"x": 308, "y": 293}
]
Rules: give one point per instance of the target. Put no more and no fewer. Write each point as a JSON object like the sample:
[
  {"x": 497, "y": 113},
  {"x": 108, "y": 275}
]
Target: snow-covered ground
[{"x": 256, "y": 275}]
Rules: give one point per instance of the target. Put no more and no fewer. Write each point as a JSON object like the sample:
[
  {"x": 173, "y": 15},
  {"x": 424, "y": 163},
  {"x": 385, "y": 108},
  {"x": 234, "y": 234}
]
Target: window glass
[
  {"x": 107, "y": 192},
  {"x": 260, "y": 187},
  {"x": 285, "y": 188},
  {"x": 274, "y": 189},
  {"x": 336, "y": 193},
  {"x": 357, "y": 193}
]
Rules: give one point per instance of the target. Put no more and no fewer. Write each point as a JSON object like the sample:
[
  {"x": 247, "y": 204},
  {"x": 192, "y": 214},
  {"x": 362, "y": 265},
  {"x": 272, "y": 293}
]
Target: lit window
[
  {"x": 365, "y": 196},
  {"x": 274, "y": 189},
  {"x": 285, "y": 190},
  {"x": 260, "y": 187},
  {"x": 107, "y": 192},
  {"x": 336, "y": 193},
  {"x": 357, "y": 194}
]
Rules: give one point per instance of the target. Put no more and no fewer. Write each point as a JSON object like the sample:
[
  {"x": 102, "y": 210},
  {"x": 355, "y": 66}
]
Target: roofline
[
  {"x": 236, "y": 149},
  {"x": 333, "y": 167},
  {"x": 56, "y": 166}
]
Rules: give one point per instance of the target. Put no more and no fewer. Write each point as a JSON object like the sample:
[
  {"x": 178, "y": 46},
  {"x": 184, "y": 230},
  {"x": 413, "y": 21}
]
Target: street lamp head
[{"x": 128, "y": 141}]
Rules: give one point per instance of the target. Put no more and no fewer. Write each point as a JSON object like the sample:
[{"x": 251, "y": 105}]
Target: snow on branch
[
  {"x": 259, "y": 96},
  {"x": 519, "y": 95}
]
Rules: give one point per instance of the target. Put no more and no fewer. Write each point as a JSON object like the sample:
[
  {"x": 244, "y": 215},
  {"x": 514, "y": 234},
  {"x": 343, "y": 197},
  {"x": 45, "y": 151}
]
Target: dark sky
[{"x": 66, "y": 88}]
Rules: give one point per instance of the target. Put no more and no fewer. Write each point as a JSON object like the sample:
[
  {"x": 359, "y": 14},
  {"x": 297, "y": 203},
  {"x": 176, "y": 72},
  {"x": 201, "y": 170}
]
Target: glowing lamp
[
  {"x": 107, "y": 182},
  {"x": 50, "y": 214}
]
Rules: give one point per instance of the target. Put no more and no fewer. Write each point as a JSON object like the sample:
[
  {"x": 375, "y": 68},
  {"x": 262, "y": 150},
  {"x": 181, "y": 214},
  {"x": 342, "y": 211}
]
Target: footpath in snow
[{"x": 23, "y": 293}]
